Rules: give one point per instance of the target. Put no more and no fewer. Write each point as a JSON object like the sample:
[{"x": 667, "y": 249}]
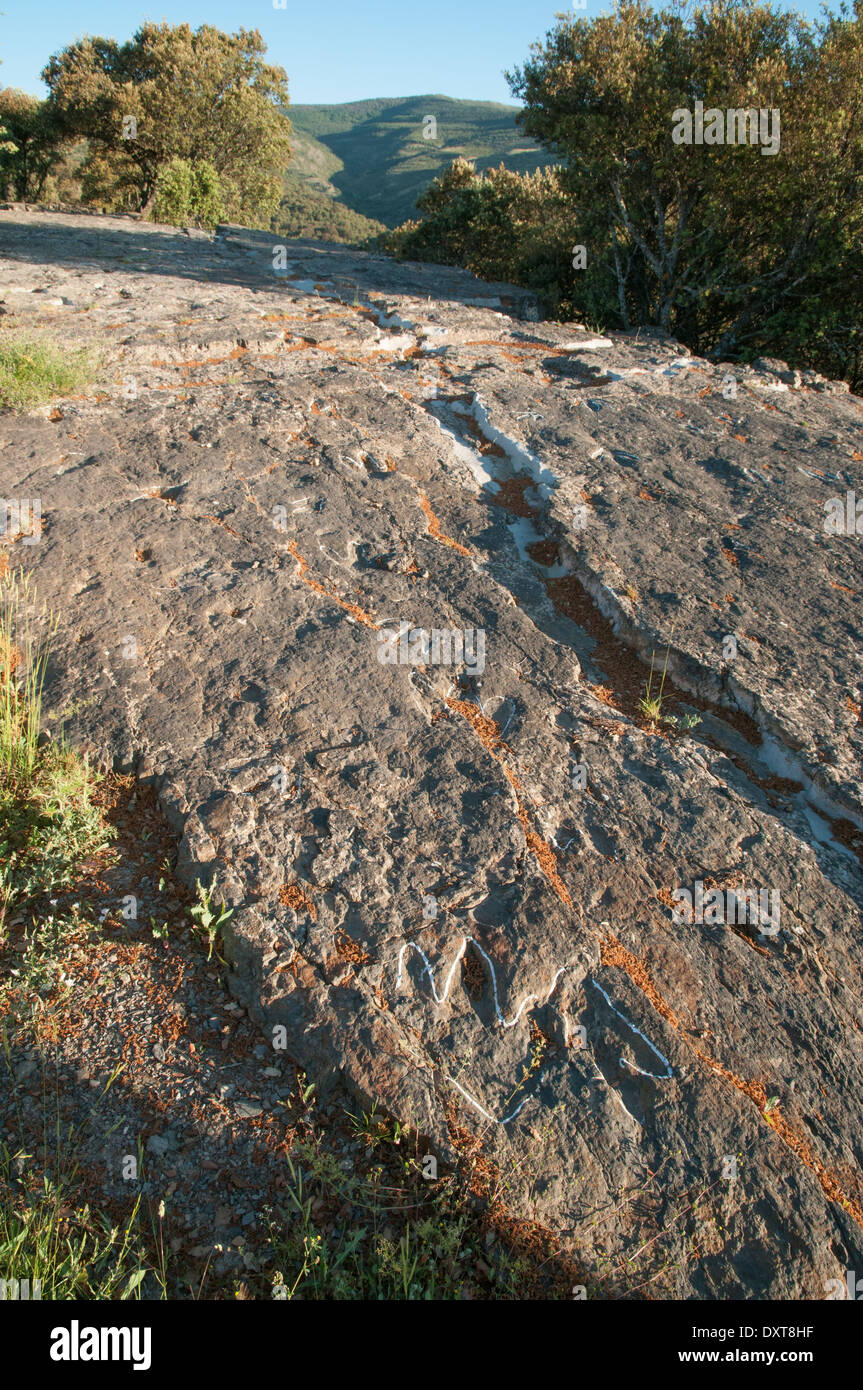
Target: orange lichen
[
  {"x": 486, "y": 730},
  {"x": 292, "y": 895},
  {"x": 488, "y": 733},
  {"x": 510, "y": 495},
  {"x": 351, "y": 950},
  {"x": 354, "y": 609},
  {"x": 613, "y": 953},
  {"x": 434, "y": 528}
]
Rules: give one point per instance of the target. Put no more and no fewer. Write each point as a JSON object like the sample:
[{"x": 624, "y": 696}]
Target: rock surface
[{"x": 454, "y": 885}]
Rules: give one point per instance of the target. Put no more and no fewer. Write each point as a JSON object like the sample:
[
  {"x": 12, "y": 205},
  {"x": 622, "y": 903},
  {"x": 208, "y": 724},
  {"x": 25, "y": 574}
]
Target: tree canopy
[
  {"x": 738, "y": 248},
  {"x": 28, "y": 144},
  {"x": 169, "y": 93},
  {"x": 712, "y": 242}
]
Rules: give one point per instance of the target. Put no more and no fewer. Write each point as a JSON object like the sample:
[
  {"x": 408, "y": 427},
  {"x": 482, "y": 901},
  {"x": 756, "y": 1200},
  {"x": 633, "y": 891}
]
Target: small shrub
[{"x": 189, "y": 192}]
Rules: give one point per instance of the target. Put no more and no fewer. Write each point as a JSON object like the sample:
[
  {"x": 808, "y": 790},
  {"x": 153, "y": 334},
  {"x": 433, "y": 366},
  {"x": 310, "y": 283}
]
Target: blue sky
[{"x": 334, "y": 50}]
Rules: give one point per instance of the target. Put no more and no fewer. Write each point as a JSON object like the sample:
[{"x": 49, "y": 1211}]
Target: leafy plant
[
  {"x": 51, "y": 1239},
  {"x": 376, "y": 1129},
  {"x": 687, "y": 721},
  {"x": 188, "y": 193},
  {"x": 48, "y": 821},
  {"x": 429, "y": 1259},
  {"x": 25, "y": 634},
  {"x": 207, "y": 919},
  {"x": 159, "y": 930}
]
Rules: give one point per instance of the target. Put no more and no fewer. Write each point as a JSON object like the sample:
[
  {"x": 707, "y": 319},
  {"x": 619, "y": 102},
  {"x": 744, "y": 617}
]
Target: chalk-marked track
[
  {"x": 623, "y": 1061},
  {"x": 475, "y": 1103},
  {"x": 510, "y": 1023},
  {"x": 469, "y": 940}
]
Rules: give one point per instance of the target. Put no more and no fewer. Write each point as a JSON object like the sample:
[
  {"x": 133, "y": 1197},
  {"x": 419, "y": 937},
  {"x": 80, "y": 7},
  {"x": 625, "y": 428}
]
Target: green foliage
[
  {"x": 721, "y": 246},
  {"x": 650, "y": 703},
  {"x": 29, "y": 147},
  {"x": 33, "y": 370},
  {"x": 415, "y": 1241},
  {"x": 306, "y": 213},
  {"x": 50, "y": 1237},
  {"x": 63, "y": 185},
  {"x": 377, "y": 158},
  {"x": 170, "y": 93},
  {"x": 188, "y": 194},
  {"x": 207, "y": 919},
  {"x": 48, "y": 821},
  {"x": 500, "y": 225},
  {"x": 736, "y": 253}
]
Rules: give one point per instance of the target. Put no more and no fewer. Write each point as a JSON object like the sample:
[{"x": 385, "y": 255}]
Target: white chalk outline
[
  {"x": 529, "y": 998},
  {"x": 465, "y": 941},
  {"x": 440, "y": 999},
  {"x": 623, "y": 1061},
  {"x": 482, "y": 1110}
]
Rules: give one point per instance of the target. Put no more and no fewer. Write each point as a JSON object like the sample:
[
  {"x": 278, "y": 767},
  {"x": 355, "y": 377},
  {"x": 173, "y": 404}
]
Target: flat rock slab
[{"x": 457, "y": 861}]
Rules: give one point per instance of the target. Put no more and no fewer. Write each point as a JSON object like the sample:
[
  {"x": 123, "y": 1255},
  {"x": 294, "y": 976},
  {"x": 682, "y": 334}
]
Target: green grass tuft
[
  {"x": 35, "y": 370},
  {"x": 48, "y": 822},
  {"x": 58, "y": 1244}
]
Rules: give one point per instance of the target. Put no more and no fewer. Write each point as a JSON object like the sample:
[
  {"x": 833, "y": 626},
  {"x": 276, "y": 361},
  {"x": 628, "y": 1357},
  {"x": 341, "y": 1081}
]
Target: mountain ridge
[{"x": 380, "y": 153}]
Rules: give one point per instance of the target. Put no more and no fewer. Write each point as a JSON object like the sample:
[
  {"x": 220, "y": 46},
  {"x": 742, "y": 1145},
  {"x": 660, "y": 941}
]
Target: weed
[
  {"x": 25, "y": 634},
  {"x": 51, "y": 1239},
  {"x": 206, "y": 918},
  {"x": 650, "y": 704},
  {"x": 688, "y": 721},
  {"x": 33, "y": 370},
  {"x": 48, "y": 821},
  {"x": 159, "y": 931},
  {"x": 429, "y": 1259},
  {"x": 376, "y": 1129}
]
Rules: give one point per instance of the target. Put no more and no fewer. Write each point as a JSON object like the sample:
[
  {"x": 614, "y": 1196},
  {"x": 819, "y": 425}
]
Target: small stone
[{"x": 249, "y": 1110}]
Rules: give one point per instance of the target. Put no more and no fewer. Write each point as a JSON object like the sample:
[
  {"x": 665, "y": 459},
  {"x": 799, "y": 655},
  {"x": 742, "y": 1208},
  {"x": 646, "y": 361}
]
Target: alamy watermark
[
  {"x": 77, "y": 1343},
  {"x": 21, "y": 516},
  {"x": 20, "y": 1289},
  {"x": 758, "y": 906},
  {"x": 844, "y": 516},
  {"x": 415, "y": 646},
  {"x": 851, "y": 1290},
  {"x": 735, "y": 126}
]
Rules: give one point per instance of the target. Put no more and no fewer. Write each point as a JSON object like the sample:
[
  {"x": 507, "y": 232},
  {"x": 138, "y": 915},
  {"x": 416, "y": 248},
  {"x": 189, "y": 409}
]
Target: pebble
[{"x": 248, "y": 1109}]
